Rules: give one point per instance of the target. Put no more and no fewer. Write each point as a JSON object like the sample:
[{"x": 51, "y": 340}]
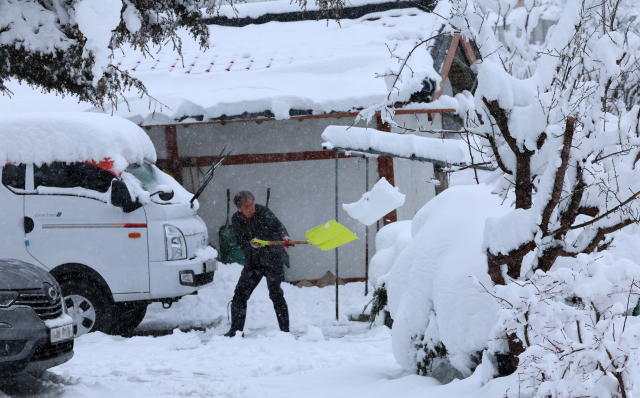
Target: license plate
[
  {"x": 210, "y": 266},
  {"x": 61, "y": 333}
]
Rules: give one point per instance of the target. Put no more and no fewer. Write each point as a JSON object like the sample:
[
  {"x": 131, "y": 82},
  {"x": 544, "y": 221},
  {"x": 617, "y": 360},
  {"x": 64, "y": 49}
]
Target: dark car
[{"x": 36, "y": 333}]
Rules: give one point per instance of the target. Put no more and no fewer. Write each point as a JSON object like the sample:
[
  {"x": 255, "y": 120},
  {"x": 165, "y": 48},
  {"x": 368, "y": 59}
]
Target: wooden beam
[
  {"x": 258, "y": 158},
  {"x": 385, "y": 169},
  {"x": 447, "y": 64},
  {"x": 308, "y": 117},
  {"x": 171, "y": 136},
  {"x": 315, "y": 281},
  {"x": 468, "y": 50}
]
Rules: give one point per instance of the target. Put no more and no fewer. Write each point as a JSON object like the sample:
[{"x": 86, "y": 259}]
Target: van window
[
  {"x": 63, "y": 175},
  {"x": 145, "y": 173},
  {"x": 14, "y": 176}
]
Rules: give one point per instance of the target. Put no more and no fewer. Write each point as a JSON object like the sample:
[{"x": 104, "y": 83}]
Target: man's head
[{"x": 245, "y": 202}]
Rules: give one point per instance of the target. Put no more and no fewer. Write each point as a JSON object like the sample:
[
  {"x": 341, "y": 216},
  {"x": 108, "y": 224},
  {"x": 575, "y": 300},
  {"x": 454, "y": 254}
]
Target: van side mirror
[
  {"x": 120, "y": 197},
  {"x": 164, "y": 192}
]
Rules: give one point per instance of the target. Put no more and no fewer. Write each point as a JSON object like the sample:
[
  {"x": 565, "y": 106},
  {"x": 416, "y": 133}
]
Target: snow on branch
[{"x": 409, "y": 146}]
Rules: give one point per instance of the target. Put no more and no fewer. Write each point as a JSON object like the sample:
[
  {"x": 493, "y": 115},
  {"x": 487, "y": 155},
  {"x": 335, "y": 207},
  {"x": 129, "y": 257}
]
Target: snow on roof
[
  {"x": 401, "y": 145},
  {"x": 73, "y": 137},
  {"x": 275, "y": 67}
]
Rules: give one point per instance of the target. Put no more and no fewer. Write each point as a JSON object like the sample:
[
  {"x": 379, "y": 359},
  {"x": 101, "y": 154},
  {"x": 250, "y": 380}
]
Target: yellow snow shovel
[{"x": 326, "y": 236}]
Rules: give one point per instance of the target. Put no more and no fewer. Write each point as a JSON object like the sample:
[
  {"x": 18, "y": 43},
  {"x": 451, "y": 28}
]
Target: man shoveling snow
[{"x": 257, "y": 221}]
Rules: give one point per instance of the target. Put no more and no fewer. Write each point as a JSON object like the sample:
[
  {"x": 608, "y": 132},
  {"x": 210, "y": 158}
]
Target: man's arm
[{"x": 275, "y": 225}]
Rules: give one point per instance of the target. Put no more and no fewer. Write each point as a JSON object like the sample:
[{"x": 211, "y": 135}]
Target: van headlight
[{"x": 175, "y": 243}]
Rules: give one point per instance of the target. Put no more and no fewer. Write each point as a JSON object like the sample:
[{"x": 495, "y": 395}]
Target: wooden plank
[
  {"x": 308, "y": 117},
  {"x": 171, "y": 136},
  {"x": 469, "y": 52},
  {"x": 447, "y": 64},
  {"x": 385, "y": 169},
  {"x": 258, "y": 158}
]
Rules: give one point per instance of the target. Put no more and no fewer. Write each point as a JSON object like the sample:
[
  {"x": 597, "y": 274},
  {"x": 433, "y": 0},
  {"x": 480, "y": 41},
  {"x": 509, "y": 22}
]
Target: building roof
[
  {"x": 274, "y": 69},
  {"x": 289, "y": 11}
]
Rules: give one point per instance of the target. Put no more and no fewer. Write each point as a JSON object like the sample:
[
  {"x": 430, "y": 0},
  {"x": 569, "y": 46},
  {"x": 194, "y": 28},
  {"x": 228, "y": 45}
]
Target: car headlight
[
  {"x": 7, "y": 298},
  {"x": 175, "y": 243}
]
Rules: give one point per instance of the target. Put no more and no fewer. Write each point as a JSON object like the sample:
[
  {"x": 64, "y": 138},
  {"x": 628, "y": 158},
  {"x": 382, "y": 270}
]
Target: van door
[
  {"x": 12, "y": 194},
  {"x": 72, "y": 223}
]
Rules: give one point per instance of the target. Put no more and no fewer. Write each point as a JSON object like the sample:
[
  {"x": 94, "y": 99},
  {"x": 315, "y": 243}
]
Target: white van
[{"x": 81, "y": 197}]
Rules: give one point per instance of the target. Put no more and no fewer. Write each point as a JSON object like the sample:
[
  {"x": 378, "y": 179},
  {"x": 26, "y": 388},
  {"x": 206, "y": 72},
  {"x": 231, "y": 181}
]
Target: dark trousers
[{"x": 249, "y": 279}]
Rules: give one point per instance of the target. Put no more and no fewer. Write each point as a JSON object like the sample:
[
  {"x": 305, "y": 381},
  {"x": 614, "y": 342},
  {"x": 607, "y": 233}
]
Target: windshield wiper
[{"x": 209, "y": 174}]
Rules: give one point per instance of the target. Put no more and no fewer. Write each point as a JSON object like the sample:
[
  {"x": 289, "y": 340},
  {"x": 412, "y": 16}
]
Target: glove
[
  {"x": 287, "y": 243},
  {"x": 255, "y": 245}
]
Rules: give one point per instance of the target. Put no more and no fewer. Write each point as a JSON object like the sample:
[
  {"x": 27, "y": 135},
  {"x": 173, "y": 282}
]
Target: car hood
[{"x": 18, "y": 275}]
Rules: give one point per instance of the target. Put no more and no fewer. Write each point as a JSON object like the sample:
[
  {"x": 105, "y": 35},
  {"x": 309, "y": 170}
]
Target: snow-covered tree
[
  {"x": 555, "y": 119},
  {"x": 66, "y": 46},
  {"x": 559, "y": 120},
  {"x": 576, "y": 325}
]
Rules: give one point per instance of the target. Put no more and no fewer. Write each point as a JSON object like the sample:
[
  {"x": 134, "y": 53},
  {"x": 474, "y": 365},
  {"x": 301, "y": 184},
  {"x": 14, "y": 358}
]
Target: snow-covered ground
[{"x": 320, "y": 358}]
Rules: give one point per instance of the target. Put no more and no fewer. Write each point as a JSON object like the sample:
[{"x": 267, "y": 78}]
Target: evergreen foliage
[
  {"x": 428, "y": 353},
  {"x": 43, "y": 45},
  {"x": 379, "y": 302}
]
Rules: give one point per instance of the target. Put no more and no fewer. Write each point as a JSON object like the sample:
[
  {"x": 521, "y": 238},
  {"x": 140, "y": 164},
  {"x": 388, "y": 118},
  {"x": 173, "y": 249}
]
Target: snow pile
[
  {"x": 402, "y": 145},
  {"x": 432, "y": 296},
  {"x": 390, "y": 242},
  {"x": 73, "y": 137},
  {"x": 307, "y": 306},
  {"x": 508, "y": 232},
  {"x": 205, "y": 364},
  {"x": 373, "y": 205},
  {"x": 206, "y": 254}
]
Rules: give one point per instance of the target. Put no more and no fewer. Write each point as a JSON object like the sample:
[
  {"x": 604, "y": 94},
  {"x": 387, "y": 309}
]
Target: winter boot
[
  {"x": 238, "y": 316},
  {"x": 282, "y": 313}
]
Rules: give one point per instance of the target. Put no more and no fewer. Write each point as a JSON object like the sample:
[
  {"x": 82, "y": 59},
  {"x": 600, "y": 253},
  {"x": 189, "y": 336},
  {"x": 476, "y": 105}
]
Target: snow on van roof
[
  {"x": 310, "y": 66},
  {"x": 73, "y": 137}
]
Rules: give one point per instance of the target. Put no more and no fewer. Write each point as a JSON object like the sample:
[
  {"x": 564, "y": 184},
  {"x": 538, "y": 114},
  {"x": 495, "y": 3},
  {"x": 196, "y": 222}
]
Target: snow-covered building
[{"x": 272, "y": 80}]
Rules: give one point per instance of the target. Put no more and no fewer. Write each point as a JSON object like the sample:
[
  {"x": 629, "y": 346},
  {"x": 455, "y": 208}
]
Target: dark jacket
[{"x": 265, "y": 226}]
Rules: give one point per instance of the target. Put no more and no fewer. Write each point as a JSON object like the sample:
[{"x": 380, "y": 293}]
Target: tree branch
[
  {"x": 494, "y": 148},
  {"x": 513, "y": 260},
  {"x": 560, "y": 173},
  {"x": 584, "y": 224}
]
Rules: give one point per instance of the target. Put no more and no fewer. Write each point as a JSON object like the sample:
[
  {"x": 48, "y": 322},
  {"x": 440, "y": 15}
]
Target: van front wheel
[
  {"x": 130, "y": 314},
  {"x": 89, "y": 309}
]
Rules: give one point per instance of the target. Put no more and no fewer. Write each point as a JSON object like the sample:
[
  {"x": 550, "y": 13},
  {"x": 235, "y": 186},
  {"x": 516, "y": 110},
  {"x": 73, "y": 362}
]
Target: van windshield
[{"x": 146, "y": 173}]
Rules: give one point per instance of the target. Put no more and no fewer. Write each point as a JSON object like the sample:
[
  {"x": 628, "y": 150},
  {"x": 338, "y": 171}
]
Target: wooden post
[
  {"x": 444, "y": 73},
  {"x": 366, "y": 232},
  {"x": 337, "y": 262},
  {"x": 171, "y": 135},
  {"x": 385, "y": 169}
]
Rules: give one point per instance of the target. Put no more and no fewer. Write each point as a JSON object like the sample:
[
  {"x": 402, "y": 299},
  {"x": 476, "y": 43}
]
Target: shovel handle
[{"x": 292, "y": 242}]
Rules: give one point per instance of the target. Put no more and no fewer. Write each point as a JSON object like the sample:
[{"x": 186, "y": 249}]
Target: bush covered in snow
[
  {"x": 441, "y": 318},
  {"x": 576, "y": 325},
  {"x": 390, "y": 242}
]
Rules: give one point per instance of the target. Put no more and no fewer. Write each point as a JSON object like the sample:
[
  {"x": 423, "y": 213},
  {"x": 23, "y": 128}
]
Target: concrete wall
[
  {"x": 255, "y": 137},
  {"x": 158, "y": 136},
  {"x": 302, "y": 192},
  {"x": 414, "y": 178}
]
